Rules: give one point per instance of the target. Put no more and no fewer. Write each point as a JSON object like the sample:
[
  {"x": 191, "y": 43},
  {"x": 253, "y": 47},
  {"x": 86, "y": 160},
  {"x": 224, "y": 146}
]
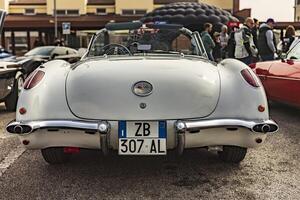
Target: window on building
[
  {"x": 72, "y": 12},
  {"x": 29, "y": 11},
  {"x": 101, "y": 11},
  {"x": 67, "y": 12},
  {"x": 61, "y": 12},
  {"x": 140, "y": 12},
  {"x": 127, "y": 12},
  {"x": 134, "y": 12}
]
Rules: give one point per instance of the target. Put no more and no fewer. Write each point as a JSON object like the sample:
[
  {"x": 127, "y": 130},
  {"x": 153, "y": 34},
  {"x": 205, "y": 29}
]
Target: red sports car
[{"x": 281, "y": 78}]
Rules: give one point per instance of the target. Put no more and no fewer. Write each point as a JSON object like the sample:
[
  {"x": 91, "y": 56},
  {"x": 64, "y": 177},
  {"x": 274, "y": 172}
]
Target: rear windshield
[{"x": 41, "y": 51}]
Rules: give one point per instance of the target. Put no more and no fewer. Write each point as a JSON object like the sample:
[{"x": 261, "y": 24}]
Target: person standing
[
  {"x": 224, "y": 37},
  {"x": 56, "y": 42},
  {"x": 267, "y": 41},
  {"x": 255, "y": 31},
  {"x": 231, "y": 42},
  {"x": 38, "y": 43},
  {"x": 207, "y": 40},
  {"x": 217, "y": 50},
  {"x": 62, "y": 42},
  {"x": 288, "y": 39},
  {"x": 245, "y": 48}
]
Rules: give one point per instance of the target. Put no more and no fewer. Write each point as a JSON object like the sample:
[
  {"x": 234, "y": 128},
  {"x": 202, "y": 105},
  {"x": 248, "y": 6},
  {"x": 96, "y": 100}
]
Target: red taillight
[
  {"x": 261, "y": 108},
  {"x": 252, "y": 65},
  {"x": 33, "y": 79},
  {"x": 71, "y": 150},
  {"x": 249, "y": 78},
  {"x": 22, "y": 111}
]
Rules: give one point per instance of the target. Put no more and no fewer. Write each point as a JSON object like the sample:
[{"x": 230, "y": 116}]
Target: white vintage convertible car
[{"x": 143, "y": 89}]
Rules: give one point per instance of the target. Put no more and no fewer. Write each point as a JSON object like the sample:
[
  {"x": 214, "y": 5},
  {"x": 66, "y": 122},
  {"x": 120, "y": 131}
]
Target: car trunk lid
[{"x": 182, "y": 88}]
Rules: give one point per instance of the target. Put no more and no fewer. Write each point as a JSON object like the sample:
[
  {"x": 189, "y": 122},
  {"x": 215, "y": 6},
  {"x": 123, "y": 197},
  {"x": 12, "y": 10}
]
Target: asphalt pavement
[{"x": 269, "y": 172}]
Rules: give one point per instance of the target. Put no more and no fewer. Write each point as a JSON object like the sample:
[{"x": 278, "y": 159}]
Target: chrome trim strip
[
  {"x": 282, "y": 77},
  {"x": 58, "y": 124},
  {"x": 189, "y": 124},
  {"x": 227, "y": 123}
]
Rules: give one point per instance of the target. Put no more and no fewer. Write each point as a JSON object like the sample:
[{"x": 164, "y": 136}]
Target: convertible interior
[{"x": 138, "y": 38}]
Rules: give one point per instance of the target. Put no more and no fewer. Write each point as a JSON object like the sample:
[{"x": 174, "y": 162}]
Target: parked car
[
  {"x": 143, "y": 90},
  {"x": 6, "y": 55},
  {"x": 281, "y": 78},
  {"x": 49, "y": 53}
]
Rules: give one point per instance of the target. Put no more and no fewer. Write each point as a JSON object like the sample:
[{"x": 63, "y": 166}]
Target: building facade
[{"x": 32, "y": 20}]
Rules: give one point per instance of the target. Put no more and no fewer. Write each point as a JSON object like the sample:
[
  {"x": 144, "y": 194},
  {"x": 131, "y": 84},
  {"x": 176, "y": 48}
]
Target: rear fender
[
  {"x": 47, "y": 100},
  {"x": 238, "y": 99}
]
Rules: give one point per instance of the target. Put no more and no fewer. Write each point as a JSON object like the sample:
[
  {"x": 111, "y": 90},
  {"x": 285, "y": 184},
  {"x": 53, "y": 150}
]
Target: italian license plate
[{"x": 142, "y": 138}]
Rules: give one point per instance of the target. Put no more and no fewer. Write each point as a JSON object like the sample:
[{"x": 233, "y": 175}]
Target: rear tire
[
  {"x": 55, "y": 155},
  {"x": 12, "y": 99},
  {"x": 232, "y": 154}
]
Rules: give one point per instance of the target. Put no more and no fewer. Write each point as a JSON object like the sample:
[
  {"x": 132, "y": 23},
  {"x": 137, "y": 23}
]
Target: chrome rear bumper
[
  {"x": 104, "y": 134},
  {"x": 263, "y": 126}
]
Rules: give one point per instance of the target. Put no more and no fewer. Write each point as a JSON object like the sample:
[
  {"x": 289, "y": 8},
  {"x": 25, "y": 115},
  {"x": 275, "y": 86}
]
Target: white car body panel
[
  {"x": 228, "y": 106},
  {"x": 182, "y": 89}
]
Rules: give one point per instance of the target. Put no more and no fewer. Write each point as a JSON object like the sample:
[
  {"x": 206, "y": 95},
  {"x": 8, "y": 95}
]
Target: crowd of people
[{"x": 249, "y": 43}]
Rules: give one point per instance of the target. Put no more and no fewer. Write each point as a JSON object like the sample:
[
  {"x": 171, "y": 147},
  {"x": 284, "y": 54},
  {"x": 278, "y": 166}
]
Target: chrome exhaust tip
[
  {"x": 265, "y": 128},
  {"x": 19, "y": 129}
]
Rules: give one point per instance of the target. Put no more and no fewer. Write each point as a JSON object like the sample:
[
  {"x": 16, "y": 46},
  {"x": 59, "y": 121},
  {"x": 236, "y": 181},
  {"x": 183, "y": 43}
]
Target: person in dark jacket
[
  {"x": 231, "y": 42},
  {"x": 267, "y": 41},
  {"x": 255, "y": 31},
  {"x": 217, "y": 50},
  {"x": 288, "y": 39}
]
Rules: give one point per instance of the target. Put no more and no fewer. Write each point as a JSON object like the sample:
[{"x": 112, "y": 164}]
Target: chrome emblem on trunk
[{"x": 142, "y": 88}]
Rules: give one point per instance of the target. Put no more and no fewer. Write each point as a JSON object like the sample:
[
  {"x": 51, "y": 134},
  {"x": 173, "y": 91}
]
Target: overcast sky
[{"x": 280, "y": 10}]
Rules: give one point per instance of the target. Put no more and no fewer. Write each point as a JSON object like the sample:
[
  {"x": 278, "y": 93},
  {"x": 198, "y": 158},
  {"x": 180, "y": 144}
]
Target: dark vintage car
[
  {"x": 49, "y": 53},
  {"x": 281, "y": 78},
  {"x": 13, "y": 73}
]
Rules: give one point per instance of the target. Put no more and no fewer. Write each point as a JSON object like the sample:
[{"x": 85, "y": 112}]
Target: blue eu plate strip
[
  {"x": 122, "y": 129},
  {"x": 162, "y": 129}
]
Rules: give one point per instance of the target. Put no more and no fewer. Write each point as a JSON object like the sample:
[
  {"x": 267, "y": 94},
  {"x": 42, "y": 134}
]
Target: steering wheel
[{"x": 116, "y": 49}]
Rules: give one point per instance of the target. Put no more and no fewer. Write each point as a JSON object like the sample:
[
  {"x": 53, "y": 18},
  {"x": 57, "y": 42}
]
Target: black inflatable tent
[{"x": 190, "y": 14}]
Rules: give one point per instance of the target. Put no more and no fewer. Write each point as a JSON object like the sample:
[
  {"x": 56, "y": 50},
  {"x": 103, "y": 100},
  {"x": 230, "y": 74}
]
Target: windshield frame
[{"x": 193, "y": 35}]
